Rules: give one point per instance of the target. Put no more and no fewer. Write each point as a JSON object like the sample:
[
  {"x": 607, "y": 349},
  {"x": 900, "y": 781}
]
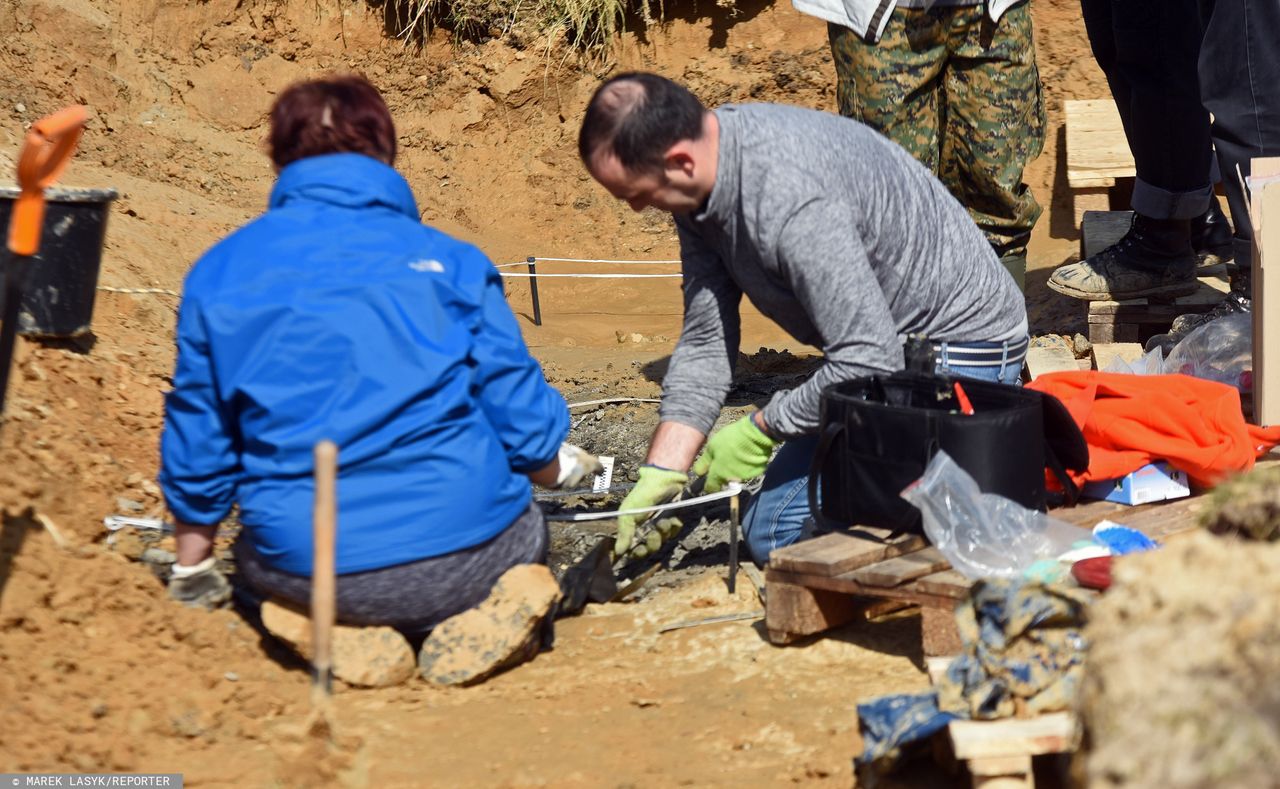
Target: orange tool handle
[
  {"x": 966, "y": 407},
  {"x": 45, "y": 154}
]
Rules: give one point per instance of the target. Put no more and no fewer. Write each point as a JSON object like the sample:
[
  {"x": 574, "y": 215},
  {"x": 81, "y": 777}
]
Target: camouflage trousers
[{"x": 962, "y": 95}]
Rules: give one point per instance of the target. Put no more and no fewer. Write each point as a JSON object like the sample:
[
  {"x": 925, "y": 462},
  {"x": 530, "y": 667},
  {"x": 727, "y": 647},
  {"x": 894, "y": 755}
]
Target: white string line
[
  {"x": 731, "y": 490},
  {"x": 594, "y": 276},
  {"x": 160, "y": 291},
  {"x": 619, "y": 262},
  {"x": 615, "y": 400},
  {"x": 590, "y": 260}
]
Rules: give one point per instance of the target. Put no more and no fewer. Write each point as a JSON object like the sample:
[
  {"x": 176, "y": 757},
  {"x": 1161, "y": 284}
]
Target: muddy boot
[
  {"x": 506, "y": 629},
  {"x": 1016, "y": 265},
  {"x": 371, "y": 657},
  {"x": 1153, "y": 259},
  {"x": 1211, "y": 236}
]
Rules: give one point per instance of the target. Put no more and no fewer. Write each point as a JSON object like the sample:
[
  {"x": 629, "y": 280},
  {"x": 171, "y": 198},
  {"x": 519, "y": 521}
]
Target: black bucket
[{"x": 61, "y": 280}]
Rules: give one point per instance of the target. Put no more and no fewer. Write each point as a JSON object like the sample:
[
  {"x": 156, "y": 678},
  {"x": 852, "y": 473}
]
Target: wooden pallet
[
  {"x": 838, "y": 578},
  {"x": 835, "y": 578},
  {"x": 998, "y": 753}
]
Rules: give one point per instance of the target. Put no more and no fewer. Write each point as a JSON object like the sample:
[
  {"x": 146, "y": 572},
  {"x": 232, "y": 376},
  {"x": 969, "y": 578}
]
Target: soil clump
[{"x": 1184, "y": 652}]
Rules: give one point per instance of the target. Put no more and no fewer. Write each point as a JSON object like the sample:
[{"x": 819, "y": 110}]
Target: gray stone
[{"x": 1082, "y": 345}]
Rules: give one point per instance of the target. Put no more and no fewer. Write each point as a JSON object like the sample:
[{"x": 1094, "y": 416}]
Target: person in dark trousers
[
  {"x": 1240, "y": 86},
  {"x": 1239, "y": 78},
  {"x": 1226, "y": 53},
  {"x": 1149, "y": 51}
]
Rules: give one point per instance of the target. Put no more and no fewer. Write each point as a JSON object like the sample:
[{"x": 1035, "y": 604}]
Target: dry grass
[{"x": 585, "y": 25}]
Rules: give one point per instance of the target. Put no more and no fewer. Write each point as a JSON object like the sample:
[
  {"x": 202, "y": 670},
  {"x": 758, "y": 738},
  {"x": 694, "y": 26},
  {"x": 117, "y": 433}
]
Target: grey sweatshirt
[{"x": 842, "y": 239}]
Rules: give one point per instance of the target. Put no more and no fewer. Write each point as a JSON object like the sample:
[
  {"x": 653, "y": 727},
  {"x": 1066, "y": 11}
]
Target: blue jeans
[{"x": 776, "y": 516}]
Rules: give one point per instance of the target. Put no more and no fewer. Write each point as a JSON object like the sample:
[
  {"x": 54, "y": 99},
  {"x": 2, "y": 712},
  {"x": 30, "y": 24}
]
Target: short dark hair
[
  {"x": 639, "y": 116},
  {"x": 338, "y": 114}
]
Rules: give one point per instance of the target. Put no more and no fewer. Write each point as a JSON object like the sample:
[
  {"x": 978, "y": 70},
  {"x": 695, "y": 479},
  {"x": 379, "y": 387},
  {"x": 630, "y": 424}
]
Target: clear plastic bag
[
  {"x": 1220, "y": 350},
  {"x": 1150, "y": 363},
  {"x": 984, "y": 535}
]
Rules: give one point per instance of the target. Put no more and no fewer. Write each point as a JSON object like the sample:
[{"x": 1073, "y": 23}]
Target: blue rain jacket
[{"x": 338, "y": 315}]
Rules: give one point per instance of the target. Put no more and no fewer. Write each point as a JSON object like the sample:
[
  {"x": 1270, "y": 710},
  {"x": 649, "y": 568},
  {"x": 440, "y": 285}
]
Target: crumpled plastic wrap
[
  {"x": 1220, "y": 350},
  {"x": 984, "y": 535}
]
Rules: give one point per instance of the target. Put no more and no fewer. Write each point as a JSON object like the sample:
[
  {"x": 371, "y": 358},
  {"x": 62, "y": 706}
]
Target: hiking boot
[
  {"x": 1211, "y": 236},
  {"x": 1154, "y": 258},
  {"x": 371, "y": 657},
  {"x": 1233, "y": 304},
  {"x": 508, "y": 628}
]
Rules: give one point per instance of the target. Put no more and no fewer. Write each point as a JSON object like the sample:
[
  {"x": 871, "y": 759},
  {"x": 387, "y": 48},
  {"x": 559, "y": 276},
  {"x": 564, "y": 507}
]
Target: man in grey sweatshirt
[{"x": 832, "y": 231}]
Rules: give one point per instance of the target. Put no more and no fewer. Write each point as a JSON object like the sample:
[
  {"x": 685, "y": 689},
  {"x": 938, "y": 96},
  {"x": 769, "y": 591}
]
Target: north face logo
[{"x": 427, "y": 265}]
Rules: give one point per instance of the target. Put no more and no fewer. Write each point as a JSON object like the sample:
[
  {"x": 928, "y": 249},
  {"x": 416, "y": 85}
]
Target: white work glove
[
  {"x": 576, "y": 464},
  {"x": 199, "y": 585}
]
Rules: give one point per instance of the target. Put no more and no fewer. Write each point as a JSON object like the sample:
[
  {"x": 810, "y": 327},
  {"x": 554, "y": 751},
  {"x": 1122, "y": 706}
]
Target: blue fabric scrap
[{"x": 890, "y": 722}]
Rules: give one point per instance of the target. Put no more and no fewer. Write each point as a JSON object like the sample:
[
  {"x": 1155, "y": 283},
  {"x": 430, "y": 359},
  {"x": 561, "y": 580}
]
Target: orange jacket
[{"x": 1131, "y": 420}]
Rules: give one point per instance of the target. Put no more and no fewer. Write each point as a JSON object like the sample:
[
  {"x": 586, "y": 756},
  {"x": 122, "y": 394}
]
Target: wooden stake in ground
[{"x": 323, "y": 587}]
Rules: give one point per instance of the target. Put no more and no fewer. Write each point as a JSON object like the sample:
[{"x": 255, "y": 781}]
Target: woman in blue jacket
[{"x": 338, "y": 315}]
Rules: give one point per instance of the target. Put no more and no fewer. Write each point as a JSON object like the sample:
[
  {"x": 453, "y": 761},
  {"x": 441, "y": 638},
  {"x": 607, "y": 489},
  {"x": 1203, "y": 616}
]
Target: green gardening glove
[
  {"x": 738, "y": 452},
  {"x": 656, "y": 485}
]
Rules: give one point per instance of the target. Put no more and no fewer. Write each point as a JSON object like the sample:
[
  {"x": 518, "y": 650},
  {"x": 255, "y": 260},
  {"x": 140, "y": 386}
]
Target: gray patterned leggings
[{"x": 417, "y": 596}]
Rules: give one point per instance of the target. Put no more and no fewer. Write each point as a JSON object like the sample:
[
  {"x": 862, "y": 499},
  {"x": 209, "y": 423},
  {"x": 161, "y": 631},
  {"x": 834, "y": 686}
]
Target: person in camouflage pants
[{"x": 962, "y": 94}]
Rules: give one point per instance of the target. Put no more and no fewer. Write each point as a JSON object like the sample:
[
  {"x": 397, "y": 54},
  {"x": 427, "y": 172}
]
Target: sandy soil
[{"x": 99, "y": 671}]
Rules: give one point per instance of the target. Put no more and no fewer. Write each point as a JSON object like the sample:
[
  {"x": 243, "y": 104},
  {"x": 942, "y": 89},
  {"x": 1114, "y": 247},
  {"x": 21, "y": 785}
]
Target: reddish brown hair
[{"x": 341, "y": 114}]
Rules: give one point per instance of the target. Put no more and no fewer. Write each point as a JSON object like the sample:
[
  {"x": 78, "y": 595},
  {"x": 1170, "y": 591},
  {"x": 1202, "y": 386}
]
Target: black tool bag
[{"x": 879, "y": 433}]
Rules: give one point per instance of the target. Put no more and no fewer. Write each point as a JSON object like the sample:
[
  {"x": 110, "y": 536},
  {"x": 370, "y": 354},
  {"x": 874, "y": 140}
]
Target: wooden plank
[
  {"x": 936, "y": 667},
  {"x": 948, "y": 583},
  {"x": 1102, "y": 332},
  {"x": 1001, "y": 765},
  {"x": 1088, "y": 512},
  {"x": 1211, "y": 290},
  {"x": 1097, "y": 150},
  {"x": 1101, "y": 229},
  {"x": 793, "y": 611},
  {"x": 1052, "y": 359},
  {"x": 1003, "y": 782},
  {"x": 845, "y": 584},
  {"x": 1164, "y": 518},
  {"x": 874, "y": 610},
  {"x": 1105, "y": 353},
  {"x": 1265, "y": 213},
  {"x": 1055, "y": 732},
  {"x": 1006, "y": 772},
  {"x": 1094, "y": 200},
  {"x": 1157, "y": 520},
  {"x": 899, "y": 570},
  {"x": 840, "y": 552}
]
